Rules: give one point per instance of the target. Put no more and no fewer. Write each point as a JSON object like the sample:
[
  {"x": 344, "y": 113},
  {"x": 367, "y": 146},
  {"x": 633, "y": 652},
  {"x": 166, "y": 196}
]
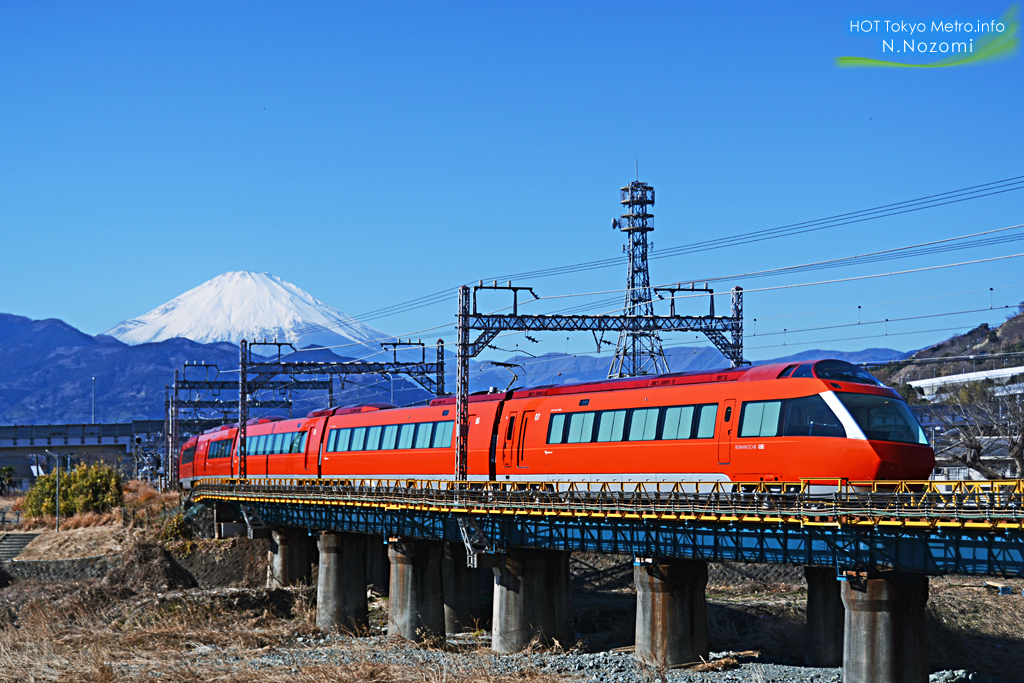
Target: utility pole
[
  {"x": 637, "y": 352},
  {"x": 463, "y": 352},
  {"x": 93, "y": 400},
  {"x": 243, "y": 405}
]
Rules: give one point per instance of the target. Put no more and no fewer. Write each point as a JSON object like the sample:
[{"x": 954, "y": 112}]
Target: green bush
[
  {"x": 83, "y": 489},
  {"x": 176, "y": 528}
]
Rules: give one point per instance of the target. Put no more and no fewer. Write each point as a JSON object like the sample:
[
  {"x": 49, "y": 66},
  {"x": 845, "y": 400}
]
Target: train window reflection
[
  {"x": 706, "y": 427},
  {"x": 883, "y": 419},
  {"x": 760, "y": 418},
  {"x": 581, "y": 428},
  {"x": 643, "y": 424},
  {"x": 387, "y": 441},
  {"x": 612, "y": 424},
  {"x": 678, "y": 422},
  {"x": 556, "y": 427}
]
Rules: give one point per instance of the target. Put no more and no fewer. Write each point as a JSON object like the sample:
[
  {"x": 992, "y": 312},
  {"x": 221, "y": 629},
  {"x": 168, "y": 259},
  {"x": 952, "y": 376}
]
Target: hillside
[{"x": 983, "y": 339}]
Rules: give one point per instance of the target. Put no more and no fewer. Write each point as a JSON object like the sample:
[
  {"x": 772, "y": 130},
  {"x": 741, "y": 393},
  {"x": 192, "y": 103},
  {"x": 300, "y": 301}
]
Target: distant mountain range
[{"x": 48, "y": 369}]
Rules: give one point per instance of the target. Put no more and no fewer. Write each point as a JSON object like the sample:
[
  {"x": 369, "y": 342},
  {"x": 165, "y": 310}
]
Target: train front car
[
  {"x": 823, "y": 421},
  {"x": 820, "y": 422}
]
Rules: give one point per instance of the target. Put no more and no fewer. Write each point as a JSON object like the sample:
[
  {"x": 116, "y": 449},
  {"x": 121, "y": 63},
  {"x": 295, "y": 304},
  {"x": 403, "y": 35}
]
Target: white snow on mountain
[{"x": 246, "y": 305}]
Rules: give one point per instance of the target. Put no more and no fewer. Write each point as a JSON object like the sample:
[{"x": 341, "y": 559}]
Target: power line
[{"x": 883, "y": 211}]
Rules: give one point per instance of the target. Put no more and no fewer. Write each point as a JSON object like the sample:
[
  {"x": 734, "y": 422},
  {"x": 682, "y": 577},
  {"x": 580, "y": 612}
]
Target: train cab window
[
  {"x": 803, "y": 371},
  {"x": 841, "y": 371},
  {"x": 388, "y": 437},
  {"x": 643, "y": 424},
  {"x": 883, "y": 419},
  {"x": 787, "y": 371},
  {"x": 358, "y": 439},
  {"x": 611, "y": 425},
  {"x": 581, "y": 428},
  {"x": 373, "y": 438},
  {"x": 760, "y": 418},
  {"x": 188, "y": 455},
  {"x": 443, "y": 434},
  {"x": 811, "y": 416},
  {"x": 706, "y": 423},
  {"x": 424, "y": 431},
  {"x": 678, "y": 422},
  {"x": 556, "y": 428},
  {"x": 405, "y": 435}
]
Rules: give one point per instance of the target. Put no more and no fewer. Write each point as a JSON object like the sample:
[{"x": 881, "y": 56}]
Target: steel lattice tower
[{"x": 637, "y": 353}]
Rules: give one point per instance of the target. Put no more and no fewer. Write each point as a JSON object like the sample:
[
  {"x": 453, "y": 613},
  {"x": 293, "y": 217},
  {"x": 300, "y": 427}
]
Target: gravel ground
[{"x": 469, "y": 652}]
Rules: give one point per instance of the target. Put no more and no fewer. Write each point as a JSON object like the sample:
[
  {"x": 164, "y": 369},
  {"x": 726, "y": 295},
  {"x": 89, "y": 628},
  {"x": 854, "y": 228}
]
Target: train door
[
  {"x": 528, "y": 416},
  {"x": 508, "y": 437},
  {"x": 725, "y": 437}
]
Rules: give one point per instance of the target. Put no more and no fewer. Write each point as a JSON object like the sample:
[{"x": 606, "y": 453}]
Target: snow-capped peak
[{"x": 246, "y": 305}]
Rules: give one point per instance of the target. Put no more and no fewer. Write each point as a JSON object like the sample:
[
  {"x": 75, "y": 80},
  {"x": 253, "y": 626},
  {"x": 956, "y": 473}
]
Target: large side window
[
  {"x": 811, "y": 416},
  {"x": 760, "y": 418},
  {"x": 611, "y": 425},
  {"x": 188, "y": 456},
  {"x": 373, "y": 438},
  {"x": 643, "y": 424},
  {"x": 405, "y": 435},
  {"x": 443, "y": 434},
  {"x": 341, "y": 440},
  {"x": 706, "y": 423},
  {"x": 678, "y": 422},
  {"x": 389, "y": 437},
  {"x": 424, "y": 431},
  {"x": 581, "y": 428},
  {"x": 358, "y": 438},
  {"x": 556, "y": 428}
]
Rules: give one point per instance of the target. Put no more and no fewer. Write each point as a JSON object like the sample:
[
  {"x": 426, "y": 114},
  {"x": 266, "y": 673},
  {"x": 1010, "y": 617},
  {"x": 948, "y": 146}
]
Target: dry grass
[{"x": 73, "y": 633}]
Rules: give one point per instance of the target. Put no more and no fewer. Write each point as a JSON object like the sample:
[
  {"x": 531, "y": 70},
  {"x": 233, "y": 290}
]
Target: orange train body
[{"x": 820, "y": 420}]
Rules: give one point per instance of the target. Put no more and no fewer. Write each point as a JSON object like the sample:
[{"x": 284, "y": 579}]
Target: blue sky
[{"x": 372, "y": 153}]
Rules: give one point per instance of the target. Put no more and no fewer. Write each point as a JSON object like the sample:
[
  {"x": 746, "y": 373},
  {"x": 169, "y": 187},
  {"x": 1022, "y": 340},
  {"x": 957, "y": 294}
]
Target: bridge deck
[{"x": 934, "y": 527}]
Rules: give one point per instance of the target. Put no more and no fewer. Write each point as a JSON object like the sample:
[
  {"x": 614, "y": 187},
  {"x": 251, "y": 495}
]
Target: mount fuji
[{"x": 246, "y": 305}]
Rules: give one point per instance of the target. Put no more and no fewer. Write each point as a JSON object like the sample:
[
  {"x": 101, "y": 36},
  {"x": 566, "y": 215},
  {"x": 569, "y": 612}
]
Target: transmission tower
[{"x": 638, "y": 352}]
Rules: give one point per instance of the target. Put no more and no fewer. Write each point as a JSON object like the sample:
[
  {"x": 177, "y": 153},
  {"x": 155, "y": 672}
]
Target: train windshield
[
  {"x": 883, "y": 419},
  {"x": 841, "y": 371}
]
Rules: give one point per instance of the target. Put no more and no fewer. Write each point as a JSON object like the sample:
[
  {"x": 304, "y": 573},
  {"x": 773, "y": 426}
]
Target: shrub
[
  {"x": 84, "y": 489},
  {"x": 176, "y": 528}
]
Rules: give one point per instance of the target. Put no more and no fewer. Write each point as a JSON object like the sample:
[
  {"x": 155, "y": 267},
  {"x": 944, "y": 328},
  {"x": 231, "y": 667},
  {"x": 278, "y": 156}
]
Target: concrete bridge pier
[
  {"x": 671, "y": 612},
  {"x": 825, "y": 618},
  {"x": 416, "y": 606},
  {"x": 341, "y": 583},
  {"x": 531, "y": 598},
  {"x": 464, "y": 600},
  {"x": 289, "y": 558},
  {"x": 378, "y": 567},
  {"x": 884, "y": 639}
]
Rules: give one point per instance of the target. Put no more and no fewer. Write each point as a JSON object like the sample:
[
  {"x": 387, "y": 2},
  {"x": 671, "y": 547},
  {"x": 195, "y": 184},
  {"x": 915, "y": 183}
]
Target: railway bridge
[{"x": 868, "y": 549}]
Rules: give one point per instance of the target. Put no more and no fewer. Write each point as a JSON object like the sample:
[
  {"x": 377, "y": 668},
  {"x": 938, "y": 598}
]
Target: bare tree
[{"x": 980, "y": 422}]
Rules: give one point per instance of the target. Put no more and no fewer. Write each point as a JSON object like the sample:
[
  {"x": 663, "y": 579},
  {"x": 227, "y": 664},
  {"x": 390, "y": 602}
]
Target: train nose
[{"x": 897, "y": 461}]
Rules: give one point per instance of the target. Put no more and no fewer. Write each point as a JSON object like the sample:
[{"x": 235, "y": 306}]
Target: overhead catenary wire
[{"x": 838, "y": 220}]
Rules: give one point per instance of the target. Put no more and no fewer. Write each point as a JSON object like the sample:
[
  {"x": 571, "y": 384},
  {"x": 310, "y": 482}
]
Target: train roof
[{"x": 742, "y": 374}]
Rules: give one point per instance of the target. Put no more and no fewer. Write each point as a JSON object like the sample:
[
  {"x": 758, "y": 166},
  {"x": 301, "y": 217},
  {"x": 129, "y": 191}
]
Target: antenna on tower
[{"x": 637, "y": 352}]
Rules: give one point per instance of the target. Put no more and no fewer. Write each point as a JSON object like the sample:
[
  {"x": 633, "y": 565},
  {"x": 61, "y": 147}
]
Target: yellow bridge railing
[{"x": 929, "y": 504}]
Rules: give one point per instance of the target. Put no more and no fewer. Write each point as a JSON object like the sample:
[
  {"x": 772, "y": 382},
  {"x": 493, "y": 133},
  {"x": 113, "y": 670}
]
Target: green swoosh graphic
[{"x": 992, "y": 46}]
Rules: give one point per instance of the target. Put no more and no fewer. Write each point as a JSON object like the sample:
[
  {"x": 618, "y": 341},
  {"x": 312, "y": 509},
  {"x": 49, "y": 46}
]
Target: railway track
[{"x": 991, "y": 505}]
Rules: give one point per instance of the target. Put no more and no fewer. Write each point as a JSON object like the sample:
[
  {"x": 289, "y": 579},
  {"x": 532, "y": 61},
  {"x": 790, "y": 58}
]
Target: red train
[{"x": 819, "y": 420}]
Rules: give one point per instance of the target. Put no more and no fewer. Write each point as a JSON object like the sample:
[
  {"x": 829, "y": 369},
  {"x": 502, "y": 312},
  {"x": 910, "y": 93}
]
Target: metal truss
[
  {"x": 725, "y": 332},
  {"x": 256, "y": 375},
  {"x": 925, "y": 527}
]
